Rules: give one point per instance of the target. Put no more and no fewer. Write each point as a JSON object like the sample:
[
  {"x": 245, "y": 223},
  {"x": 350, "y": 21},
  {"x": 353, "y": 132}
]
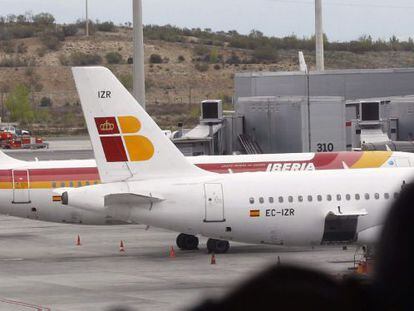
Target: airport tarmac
[{"x": 41, "y": 266}]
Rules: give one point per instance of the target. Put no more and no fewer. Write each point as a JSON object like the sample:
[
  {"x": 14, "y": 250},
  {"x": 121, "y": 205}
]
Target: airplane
[
  {"x": 27, "y": 189},
  {"x": 145, "y": 179}
]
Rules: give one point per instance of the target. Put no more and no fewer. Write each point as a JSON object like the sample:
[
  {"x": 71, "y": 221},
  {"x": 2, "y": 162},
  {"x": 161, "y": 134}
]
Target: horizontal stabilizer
[
  {"x": 130, "y": 199},
  {"x": 102, "y": 197}
]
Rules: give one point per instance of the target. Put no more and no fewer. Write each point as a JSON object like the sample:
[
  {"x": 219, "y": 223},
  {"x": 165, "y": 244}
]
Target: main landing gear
[
  {"x": 217, "y": 246},
  {"x": 189, "y": 242}
]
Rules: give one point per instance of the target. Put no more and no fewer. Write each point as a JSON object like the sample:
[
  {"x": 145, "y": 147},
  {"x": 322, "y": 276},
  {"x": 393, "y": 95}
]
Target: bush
[
  {"x": 202, "y": 67},
  {"x": 64, "y": 61},
  {"x": 7, "y": 46},
  {"x": 201, "y": 50},
  {"x": 213, "y": 56},
  {"x": 155, "y": 59},
  {"x": 41, "y": 51},
  {"x": 106, "y": 26},
  {"x": 70, "y": 30},
  {"x": 113, "y": 58},
  {"x": 126, "y": 81},
  {"x": 45, "y": 102},
  {"x": 234, "y": 59},
  {"x": 21, "y": 48},
  {"x": 14, "y": 62},
  {"x": 266, "y": 54},
  {"x": 83, "y": 59},
  {"x": 51, "y": 40}
]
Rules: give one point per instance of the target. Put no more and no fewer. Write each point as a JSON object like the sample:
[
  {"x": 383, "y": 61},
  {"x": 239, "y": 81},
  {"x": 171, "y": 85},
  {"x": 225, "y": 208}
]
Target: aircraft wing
[{"x": 347, "y": 211}]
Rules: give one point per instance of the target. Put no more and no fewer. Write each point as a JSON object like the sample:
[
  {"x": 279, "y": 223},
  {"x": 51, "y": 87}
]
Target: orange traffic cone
[
  {"x": 121, "y": 246},
  {"x": 213, "y": 259},
  {"x": 172, "y": 252},
  {"x": 78, "y": 241}
]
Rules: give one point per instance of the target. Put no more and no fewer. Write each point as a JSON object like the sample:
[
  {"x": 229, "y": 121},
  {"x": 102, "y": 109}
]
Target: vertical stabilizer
[{"x": 127, "y": 143}]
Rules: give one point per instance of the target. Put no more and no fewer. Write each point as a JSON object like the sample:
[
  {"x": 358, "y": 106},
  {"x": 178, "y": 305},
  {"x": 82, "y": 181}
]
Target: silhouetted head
[
  {"x": 394, "y": 273},
  {"x": 292, "y": 288}
]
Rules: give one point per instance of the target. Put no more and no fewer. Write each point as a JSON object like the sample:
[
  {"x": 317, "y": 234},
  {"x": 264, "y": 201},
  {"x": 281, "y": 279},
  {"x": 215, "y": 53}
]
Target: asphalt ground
[{"x": 42, "y": 268}]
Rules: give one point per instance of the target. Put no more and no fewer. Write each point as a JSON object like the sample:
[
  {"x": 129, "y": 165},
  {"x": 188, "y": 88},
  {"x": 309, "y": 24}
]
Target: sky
[{"x": 343, "y": 19}]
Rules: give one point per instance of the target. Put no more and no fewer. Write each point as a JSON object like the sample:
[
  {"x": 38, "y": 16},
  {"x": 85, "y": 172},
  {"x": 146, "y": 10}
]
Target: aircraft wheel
[
  {"x": 187, "y": 242},
  {"x": 217, "y": 246}
]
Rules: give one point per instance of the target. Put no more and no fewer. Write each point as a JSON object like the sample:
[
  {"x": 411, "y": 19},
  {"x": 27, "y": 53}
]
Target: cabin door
[
  {"x": 21, "y": 186},
  {"x": 214, "y": 203}
]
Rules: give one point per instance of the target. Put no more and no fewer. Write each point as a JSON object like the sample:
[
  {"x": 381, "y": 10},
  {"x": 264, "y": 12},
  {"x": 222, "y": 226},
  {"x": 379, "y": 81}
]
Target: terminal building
[{"x": 281, "y": 112}]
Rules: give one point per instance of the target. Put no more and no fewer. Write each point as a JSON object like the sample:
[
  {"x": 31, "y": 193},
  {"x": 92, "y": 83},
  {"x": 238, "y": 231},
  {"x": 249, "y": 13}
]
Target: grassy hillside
[{"x": 182, "y": 66}]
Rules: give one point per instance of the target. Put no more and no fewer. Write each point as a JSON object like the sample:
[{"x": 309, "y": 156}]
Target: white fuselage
[
  {"x": 185, "y": 207},
  {"x": 287, "y": 208}
]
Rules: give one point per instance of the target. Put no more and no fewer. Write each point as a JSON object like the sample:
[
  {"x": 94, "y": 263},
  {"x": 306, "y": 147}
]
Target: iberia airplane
[
  {"x": 145, "y": 179},
  {"x": 154, "y": 183}
]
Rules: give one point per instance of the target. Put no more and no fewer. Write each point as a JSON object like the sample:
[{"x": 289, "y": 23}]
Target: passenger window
[
  {"x": 348, "y": 197},
  {"x": 310, "y": 198},
  {"x": 357, "y": 196},
  {"x": 376, "y": 196},
  {"x": 95, "y": 182},
  {"x": 319, "y": 197},
  {"x": 62, "y": 184},
  {"x": 280, "y": 199},
  {"x": 366, "y": 195},
  {"x": 338, "y": 197},
  {"x": 54, "y": 184},
  {"x": 71, "y": 184},
  {"x": 87, "y": 183},
  {"x": 300, "y": 198},
  {"x": 261, "y": 200},
  {"x": 79, "y": 184},
  {"x": 386, "y": 195},
  {"x": 290, "y": 199},
  {"x": 251, "y": 200},
  {"x": 328, "y": 197},
  {"x": 271, "y": 200}
]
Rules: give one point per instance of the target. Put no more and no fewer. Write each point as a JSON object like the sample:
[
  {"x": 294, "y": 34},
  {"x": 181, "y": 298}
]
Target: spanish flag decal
[
  {"x": 254, "y": 213},
  {"x": 56, "y": 198}
]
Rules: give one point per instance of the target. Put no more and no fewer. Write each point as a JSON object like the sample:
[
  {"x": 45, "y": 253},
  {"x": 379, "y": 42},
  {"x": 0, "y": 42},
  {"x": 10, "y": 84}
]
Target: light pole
[
  {"x": 138, "y": 57},
  {"x": 320, "y": 63},
  {"x": 87, "y": 19}
]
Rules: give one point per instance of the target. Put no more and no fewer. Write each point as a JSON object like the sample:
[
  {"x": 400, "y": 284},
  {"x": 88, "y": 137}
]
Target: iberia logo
[{"x": 120, "y": 141}]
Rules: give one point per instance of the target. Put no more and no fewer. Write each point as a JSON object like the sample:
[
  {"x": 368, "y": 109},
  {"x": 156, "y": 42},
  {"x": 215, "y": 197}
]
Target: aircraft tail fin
[{"x": 127, "y": 143}]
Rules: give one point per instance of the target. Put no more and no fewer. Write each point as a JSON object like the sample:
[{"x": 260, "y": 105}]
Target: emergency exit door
[
  {"x": 214, "y": 203},
  {"x": 21, "y": 186}
]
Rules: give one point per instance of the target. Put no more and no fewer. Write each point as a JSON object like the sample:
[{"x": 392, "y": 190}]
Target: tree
[
  {"x": 43, "y": 19},
  {"x": 18, "y": 104}
]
